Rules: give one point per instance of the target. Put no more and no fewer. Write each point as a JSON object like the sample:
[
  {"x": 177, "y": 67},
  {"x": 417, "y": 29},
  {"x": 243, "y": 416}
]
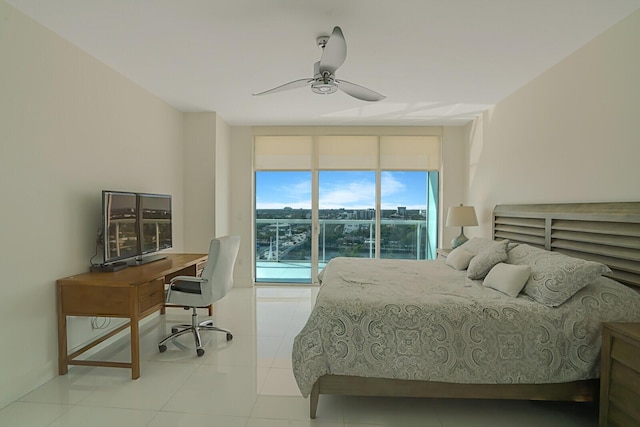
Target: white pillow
[
  {"x": 476, "y": 244},
  {"x": 459, "y": 258},
  {"x": 507, "y": 278}
]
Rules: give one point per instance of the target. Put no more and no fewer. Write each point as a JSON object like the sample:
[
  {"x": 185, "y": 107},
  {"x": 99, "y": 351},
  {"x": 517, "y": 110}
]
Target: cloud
[
  {"x": 389, "y": 185},
  {"x": 297, "y": 190},
  {"x": 290, "y": 193},
  {"x": 343, "y": 190},
  {"x": 357, "y": 194}
]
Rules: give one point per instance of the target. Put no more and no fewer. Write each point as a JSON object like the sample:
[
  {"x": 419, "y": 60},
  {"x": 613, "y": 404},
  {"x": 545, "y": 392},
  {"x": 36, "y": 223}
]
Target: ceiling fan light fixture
[{"x": 324, "y": 88}]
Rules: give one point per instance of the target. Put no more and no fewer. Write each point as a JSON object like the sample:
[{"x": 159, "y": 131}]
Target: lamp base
[{"x": 459, "y": 240}]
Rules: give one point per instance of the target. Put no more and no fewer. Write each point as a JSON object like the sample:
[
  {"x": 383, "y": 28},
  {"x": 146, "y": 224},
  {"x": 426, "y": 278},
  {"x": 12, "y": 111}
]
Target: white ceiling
[{"x": 439, "y": 62}]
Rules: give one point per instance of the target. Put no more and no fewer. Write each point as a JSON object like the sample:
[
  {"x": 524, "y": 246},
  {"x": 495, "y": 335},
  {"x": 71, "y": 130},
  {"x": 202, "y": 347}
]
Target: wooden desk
[{"x": 132, "y": 293}]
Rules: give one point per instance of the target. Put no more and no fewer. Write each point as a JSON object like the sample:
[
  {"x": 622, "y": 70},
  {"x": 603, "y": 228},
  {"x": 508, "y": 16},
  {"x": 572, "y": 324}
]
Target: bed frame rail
[{"x": 578, "y": 391}]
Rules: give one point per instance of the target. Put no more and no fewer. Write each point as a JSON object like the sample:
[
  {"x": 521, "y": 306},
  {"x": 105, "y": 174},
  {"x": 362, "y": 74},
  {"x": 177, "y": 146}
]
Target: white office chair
[{"x": 193, "y": 292}]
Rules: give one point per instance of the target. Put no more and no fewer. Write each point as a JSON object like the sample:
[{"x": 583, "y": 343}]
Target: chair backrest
[{"x": 219, "y": 267}]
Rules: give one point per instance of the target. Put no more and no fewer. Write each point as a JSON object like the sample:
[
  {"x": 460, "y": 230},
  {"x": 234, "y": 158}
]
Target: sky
[{"x": 340, "y": 189}]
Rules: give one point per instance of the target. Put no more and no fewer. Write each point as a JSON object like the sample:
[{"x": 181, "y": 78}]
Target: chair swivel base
[{"x": 194, "y": 328}]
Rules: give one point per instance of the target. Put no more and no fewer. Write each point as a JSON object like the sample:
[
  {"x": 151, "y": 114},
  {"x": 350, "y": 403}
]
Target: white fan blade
[
  {"x": 287, "y": 86},
  {"x": 334, "y": 52},
  {"x": 359, "y": 92}
]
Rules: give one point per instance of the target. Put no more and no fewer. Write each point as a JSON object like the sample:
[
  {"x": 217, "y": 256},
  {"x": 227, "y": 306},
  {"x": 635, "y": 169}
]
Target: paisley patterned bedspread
[{"x": 423, "y": 320}]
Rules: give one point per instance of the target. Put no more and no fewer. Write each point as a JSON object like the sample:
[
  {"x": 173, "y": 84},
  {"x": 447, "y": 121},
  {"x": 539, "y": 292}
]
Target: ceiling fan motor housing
[{"x": 324, "y": 83}]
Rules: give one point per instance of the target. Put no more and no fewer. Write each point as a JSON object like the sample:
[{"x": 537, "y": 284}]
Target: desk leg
[
  {"x": 135, "y": 349},
  {"x": 135, "y": 332},
  {"x": 63, "y": 367}
]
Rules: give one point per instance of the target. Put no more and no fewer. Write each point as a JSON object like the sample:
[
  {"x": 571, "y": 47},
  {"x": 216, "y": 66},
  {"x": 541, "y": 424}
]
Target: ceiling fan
[{"x": 324, "y": 82}]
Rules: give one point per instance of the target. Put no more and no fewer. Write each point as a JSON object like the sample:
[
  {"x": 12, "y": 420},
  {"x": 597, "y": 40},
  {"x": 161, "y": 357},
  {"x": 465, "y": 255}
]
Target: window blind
[
  {"x": 347, "y": 152},
  {"x": 410, "y": 153},
  {"x": 283, "y": 152}
]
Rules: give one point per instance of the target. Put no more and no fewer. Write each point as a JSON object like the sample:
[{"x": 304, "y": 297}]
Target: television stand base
[
  {"x": 148, "y": 259},
  {"x": 109, "y": 268}
]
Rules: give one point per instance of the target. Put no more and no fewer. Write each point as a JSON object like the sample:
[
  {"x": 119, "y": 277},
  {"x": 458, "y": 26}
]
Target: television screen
[
  {"x": 120, "y": 225},
  {"x": 155, "y": 222}
]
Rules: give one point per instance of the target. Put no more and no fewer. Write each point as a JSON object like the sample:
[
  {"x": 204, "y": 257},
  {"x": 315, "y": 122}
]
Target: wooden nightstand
[
  {"x": 443, "y": 252},
  {"x": 620, "y": 375}
]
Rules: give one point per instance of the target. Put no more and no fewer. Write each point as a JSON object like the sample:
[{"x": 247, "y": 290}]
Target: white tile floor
[{"x": 247, "y": 382}]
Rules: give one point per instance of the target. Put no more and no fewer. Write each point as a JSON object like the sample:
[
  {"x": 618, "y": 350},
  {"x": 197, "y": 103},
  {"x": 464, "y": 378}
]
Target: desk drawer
[
  {"x": 151, "y": 294},
  {"x": 94, "y": 300}
]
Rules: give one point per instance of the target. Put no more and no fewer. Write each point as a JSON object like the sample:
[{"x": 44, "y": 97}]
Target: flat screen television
[
  {"x": 135, "y": 226},
  {"x": 155, "y": 222},
  {"x": 120, "y": 226}
]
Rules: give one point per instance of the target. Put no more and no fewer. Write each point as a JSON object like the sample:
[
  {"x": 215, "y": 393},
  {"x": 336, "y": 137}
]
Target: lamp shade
[{"x": 461, "y": 216}]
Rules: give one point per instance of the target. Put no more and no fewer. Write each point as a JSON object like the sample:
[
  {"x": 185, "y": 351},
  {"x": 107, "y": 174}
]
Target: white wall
[
  {"x": 69, "y": 127},
  {"x": 207, "y": 147},
  {"x": 570, "y": 135},
  {"x": 199, "y": 180},
  {"x": 223, "y": 178},
  {"x": 452, "y": 179},
  {"x": 241, "y": 212}
]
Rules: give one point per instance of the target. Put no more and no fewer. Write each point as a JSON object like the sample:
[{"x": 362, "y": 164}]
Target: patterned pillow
[
  {"x": 522, "y": 253},
  {"x": 484, "y": 261},
  {"x": 555, "y": 277}
]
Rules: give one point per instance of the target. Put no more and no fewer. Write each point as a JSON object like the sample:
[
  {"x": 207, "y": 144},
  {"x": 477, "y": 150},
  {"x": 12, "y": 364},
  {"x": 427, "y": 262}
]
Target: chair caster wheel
[
  {"x": 162, "y": 348},
  {"x": 229, "y": 337},
  {"x": 200, "y": 351}
]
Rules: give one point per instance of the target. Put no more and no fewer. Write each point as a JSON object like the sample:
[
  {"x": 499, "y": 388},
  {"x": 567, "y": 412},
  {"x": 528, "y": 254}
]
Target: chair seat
[{"x": 187, "y": 287}]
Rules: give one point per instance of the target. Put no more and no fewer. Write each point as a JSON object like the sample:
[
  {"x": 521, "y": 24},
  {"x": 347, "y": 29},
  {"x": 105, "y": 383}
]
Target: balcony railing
[{"x": 287, "y": 242}]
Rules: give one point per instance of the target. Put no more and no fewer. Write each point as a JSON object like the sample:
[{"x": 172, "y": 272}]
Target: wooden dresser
[{"x": 620, "y": 375}]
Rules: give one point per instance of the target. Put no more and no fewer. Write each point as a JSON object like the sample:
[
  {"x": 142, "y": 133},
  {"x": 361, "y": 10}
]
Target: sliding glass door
[
  {"x": 283, "y": 227},
  {"x": 346, "y": 213},
  {"x": 317, "y": 198}
]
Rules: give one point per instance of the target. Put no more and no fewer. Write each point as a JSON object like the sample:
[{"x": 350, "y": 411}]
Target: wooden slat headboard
[{"x": 605, "y": 232}]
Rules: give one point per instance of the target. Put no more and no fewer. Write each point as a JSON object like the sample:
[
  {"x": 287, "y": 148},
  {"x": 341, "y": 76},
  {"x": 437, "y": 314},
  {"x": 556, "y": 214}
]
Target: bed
[{"x": 425, "y": 329}]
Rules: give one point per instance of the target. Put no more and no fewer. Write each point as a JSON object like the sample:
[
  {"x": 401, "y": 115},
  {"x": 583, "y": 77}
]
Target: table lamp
[{"x": 461, "y": 216}]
